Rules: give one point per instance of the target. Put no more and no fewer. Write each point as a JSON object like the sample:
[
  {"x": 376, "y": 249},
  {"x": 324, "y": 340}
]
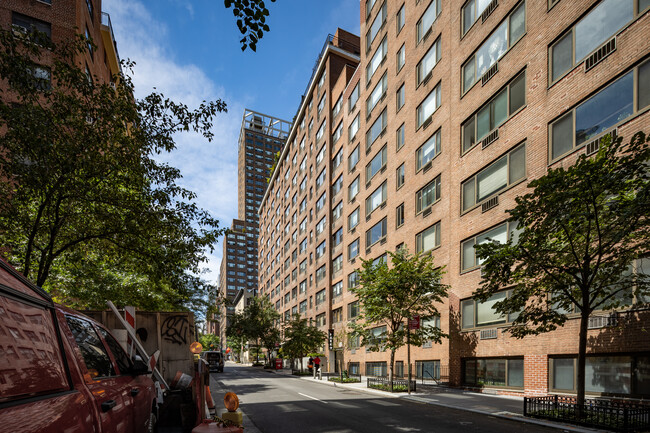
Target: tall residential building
[
  {"x": 261, "y": 138},
  {"x": 60, "y": 20},
  {"x": 453, "y": 109}
]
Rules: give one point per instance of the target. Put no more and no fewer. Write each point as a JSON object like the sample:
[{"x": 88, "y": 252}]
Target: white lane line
[{"x": 313, "y": 398}]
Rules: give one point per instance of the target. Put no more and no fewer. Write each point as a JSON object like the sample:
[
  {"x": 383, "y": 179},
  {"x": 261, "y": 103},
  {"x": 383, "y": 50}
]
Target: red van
[{"x": 61, "y": 371}]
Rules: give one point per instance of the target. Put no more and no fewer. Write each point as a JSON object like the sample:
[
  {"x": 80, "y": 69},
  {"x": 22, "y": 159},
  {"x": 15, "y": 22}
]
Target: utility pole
[{"x": 408, "y": 355}]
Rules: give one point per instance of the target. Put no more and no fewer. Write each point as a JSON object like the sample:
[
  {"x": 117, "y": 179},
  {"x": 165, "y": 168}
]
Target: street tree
[
  {"x": 301, "y": 338},
  {"x": 390, "y": 296},
  {"x": 236, "y": 334},
  {"x": 88, "y": 211},
  {"x": 209, "y": 341},
  {"x": 583, "y": 236}
]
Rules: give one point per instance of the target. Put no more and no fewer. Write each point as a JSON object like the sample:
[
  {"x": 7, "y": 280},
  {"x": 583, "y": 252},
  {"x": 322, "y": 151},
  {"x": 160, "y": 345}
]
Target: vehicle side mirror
[{"x": 139, "y": 367}]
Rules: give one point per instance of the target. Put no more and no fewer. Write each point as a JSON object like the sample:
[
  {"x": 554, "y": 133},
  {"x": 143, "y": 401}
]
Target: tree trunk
[
  {"x": 408, "y": 356},
  {"x": 390, "y": 371},
  {"x": 582, "y": 353}
]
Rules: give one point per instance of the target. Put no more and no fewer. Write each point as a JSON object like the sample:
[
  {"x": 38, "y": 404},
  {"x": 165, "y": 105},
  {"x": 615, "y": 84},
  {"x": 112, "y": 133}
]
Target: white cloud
[{"x": 208, "y": 168}]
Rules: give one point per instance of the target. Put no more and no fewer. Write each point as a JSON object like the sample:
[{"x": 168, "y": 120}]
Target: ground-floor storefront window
[
  {"x": 427, "y": 369},
  {"x": 354, "y": 368},
  {"x": 506, "y": 372},
  {"x": 604, "y": 374},
  {"x": 377, "y": 369}
]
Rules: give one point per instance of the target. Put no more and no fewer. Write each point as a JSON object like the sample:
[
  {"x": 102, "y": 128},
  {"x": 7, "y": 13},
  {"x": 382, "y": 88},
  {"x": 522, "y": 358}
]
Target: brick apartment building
[
  {"x": 60, "y": 20},
  {"x": 261, "y": 137},
  {"x": 453, "y": 108}
]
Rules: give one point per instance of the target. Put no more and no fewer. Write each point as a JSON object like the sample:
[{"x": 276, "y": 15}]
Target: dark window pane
[
  {"x": 605, "y": 109},
  {"x": 119, "y": 354},
  {"x": 517, "y": 93},
  {"x": 468, "y": 16},
  {"x": 600, "y": 24},
  {"x": 561, "y": 53},
  {"x": 610, "y": 374},
  {"x": 517, "y": 167},
  {"x": 483, "y": 122},
  {"x": 517, "y": 24},
  {"x": 499, "y": 109},
  {"x": 642, "y": 376},
  {"x": 516, "y": 372},
  {"x": 563, "y": 373},
  {"x": 644, "y": 84},
  {"x": 561, "y": 134},
  {"x": 469, "y": 194},
  {"x": 469, "y": 135},
  {"x": 97, "y": 361}
]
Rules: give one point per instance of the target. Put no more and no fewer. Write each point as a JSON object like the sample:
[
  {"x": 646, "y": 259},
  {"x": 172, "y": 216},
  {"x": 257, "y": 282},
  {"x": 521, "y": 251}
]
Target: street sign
[
  {"x": 330, "y": 338},
  {"x": 414, "y": 322}
]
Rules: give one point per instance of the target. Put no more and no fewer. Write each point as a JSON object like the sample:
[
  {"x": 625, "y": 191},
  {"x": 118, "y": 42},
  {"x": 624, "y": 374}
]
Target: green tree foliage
[
  {"x": 209, "y": 341},
  {"x": 389, "y": 296},
  {"x": 300, "y": 338},
  {"x": 582, "y": 232},
  {"x": 257, "y": 323},
  {"x": 236, "y": 333},
  {"x": 251, "y": 20},
  {"x": 86, "y": 210}
]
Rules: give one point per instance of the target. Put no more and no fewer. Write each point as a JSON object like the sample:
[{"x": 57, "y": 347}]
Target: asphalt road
[{"x": 278, "y": 403}]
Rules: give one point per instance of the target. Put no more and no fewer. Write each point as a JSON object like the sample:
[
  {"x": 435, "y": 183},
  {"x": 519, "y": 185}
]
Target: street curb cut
[{"x": 519, "y": 418}]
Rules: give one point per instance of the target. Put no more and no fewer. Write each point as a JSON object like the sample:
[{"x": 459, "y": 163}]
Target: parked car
[
  {"x": 61, "y": 371},
  {"x": 214, "y": 360}
]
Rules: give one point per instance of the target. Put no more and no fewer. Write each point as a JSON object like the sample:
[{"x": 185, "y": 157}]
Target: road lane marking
[{"x": 313, "y": 398}]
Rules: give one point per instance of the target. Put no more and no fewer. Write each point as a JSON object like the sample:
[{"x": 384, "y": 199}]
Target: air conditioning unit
[
  {"x": 599, "y": 55},
  {"x": 491, "y": 72},
  {"x": 489, "y": 204},
  {"x": 488, "y": 10},
  {"x": 490, "y": 138},
  {"x": 488, "y": 334}
]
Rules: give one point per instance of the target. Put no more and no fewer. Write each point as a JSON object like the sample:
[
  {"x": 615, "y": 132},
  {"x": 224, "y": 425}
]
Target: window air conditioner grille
[
  {"x": 493, "y": 202},
  {"x": 602, "y": 52},
  {"x": 488, "y": 334},
  {"x": 593, "y": 146},
  {"x": 596, "y": 322},
  {"x": 490, "y": 138},
  {"x": 488, "y": 10},
  {"x": 426, "y": 212},
  {"x": 491, "y": 72}
]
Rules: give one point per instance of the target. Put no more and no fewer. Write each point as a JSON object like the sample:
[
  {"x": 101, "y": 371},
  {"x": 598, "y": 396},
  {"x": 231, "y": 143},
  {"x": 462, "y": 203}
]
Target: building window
[
  {"x": 475, "y": 314},
  {"x": 321, "y": 320},
  {"x": 399, "y": 176},
  {"x": 495, "y": 112},
  {"x": 353, "y": 189},
  {"x": 400, "y": 20},
  {"x": 320, "y": 250},
  {"x": 337, "y": 133},
  {"x": 353, "y": 310},
  {"x": 319, "y": 135},
  {"x": 377, "y": 94},
  {"x": 427, "y": 195},
  {"x": 428, "y": 239},
  {"x": 337, "y": 211},
  {"x": 320, "y": 179},
  {"x": 376, "y": 60},
  {"x": 505, "y": 171},
  {"x": 337, "y": 315},
  {"x": 498, "y": 43},
  {"x": 369, "y": 6},
  {"x": 89, "y": 43},
  {"x": 427, "y": 369},
  {"x": 302, "y": 287},
  {"x": 337, "y": 107},
  {"x": 303, "y": 307},
  {"x": 320, "y": 274},
  {"x": 429, "y": 150},
  {"x": 353, "y": 219},
  {"x": 430, "y": 59},
  {"x": 501, "y": 233},
  {"x": 353, "y": 128},
  {"x": 377, "y": 198},
  {"x": 401, "y": 58},
  {"x": 337, "y": 289},
  {"x": 353, "y": 159},
  {"x": 425, "y": 24},
  {"x": 604, "y": 374},
  {"x": 353, "y": 249},
  {"x": 338, "y": 184},
  {"x": 400, "y": 98},
  {"x": 428, "y": 107},
  {"x": 321, "y": 81},
  {"x": 376, "y": 233},
  {"x": 353, "y": 280},
  {"x": 471, "y": 12},
  {"x": 400, "y": 136},
  {"x": 354, "y": 97},
  {"x": 377, "y": 164},
  {"x": 602, "y": 111},
  {"x": 376, "y": 369},
  {"x": 506, "y": 372},
  {"x": 321, "y": 201},
  {"x": 376, "y": 130},
  {"x": 337, "y": 264},
  {"x": 376, "y": 25},
  {"x": 399, "y": 216},
  {"x": 588, "y": 34},
  {"x": 337, "y": 237},
  {"x": 321, "y": 104},
  {"x": 29, "y": 26}
]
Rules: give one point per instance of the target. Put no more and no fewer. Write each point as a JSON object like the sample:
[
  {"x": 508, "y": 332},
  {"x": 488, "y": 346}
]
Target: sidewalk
[{"x": 500, "y": 406}]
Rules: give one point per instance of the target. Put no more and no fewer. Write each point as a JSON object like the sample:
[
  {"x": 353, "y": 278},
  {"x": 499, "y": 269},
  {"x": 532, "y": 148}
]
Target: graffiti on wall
[{"x": 175, "y": 329}]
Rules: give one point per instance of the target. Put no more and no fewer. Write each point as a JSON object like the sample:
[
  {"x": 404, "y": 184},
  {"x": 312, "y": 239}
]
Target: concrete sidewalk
[{"x": 500, "y": 406}]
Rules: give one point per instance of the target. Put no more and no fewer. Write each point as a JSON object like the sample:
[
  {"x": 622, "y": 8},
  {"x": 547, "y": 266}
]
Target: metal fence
[
  {"x": 382, "y": 382},
  {"x": 331, "y": 375},
  {"x": 608, "y": 414}
]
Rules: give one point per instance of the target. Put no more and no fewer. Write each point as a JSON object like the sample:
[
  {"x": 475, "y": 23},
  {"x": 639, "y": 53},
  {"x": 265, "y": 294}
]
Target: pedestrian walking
[
  {"x": 317, "y": 363},
  {"x": 310, "y": 364}
]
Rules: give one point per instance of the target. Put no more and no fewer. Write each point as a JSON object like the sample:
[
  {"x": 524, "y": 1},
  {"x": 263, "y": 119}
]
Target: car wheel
[{"x": 153, "y": 423}]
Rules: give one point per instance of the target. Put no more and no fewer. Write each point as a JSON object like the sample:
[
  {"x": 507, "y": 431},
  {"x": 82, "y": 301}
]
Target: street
[{"x": 281, "y": 403}]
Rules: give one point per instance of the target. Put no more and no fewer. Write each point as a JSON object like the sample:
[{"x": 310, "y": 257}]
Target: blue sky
[{"x": 190, "y": 51}]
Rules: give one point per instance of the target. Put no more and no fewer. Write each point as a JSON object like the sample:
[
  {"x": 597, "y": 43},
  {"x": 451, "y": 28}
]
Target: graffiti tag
[{"x": 175, "y": 329}]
